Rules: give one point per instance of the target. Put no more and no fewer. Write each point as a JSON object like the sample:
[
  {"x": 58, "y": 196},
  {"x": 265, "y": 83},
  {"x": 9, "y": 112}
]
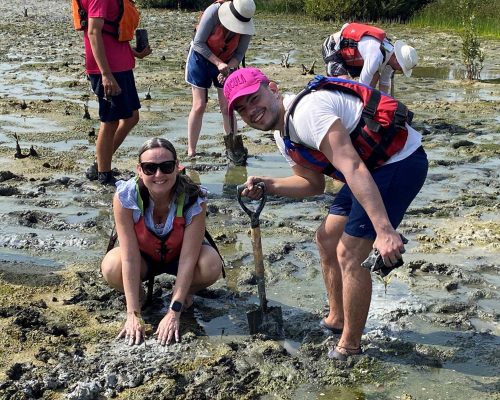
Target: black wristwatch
[{"x": 176, "y": 306}]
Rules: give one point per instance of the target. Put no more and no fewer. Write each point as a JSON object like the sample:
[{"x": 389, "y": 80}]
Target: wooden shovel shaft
[{"x": 259, "y": 267}]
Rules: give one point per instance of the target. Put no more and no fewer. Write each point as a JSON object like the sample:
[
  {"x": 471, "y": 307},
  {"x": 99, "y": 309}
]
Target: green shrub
[
  {"x": 443, "y": 14},
  {"x": 362, "y": 10},
  {"x": 472, "y": 54},
  {"x": 280, "y": 6}
]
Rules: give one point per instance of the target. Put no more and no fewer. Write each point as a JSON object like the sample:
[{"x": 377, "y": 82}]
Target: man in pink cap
[{"x": 353, "y": 133}]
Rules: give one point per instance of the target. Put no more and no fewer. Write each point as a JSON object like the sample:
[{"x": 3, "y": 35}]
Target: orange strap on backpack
[{"x": 123, "y": 28}]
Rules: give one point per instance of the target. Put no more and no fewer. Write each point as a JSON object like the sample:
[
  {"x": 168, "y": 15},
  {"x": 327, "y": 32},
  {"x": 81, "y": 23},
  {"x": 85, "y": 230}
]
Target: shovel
[{"x": 265, "y": 320}]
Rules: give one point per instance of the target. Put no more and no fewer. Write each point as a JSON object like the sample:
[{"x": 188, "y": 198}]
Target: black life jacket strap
[
  {"x": 329, "y": 169},
  {"x": 214, "y": 245},
  {"x": 384, "y": 52},
  {"x": 84, "y": 20},
  {"x": 370, "y": 109},
  {"x": 351, "y": 43},
  {"x": 291, "y": 109},
  {"x": 401, "y": 116}
]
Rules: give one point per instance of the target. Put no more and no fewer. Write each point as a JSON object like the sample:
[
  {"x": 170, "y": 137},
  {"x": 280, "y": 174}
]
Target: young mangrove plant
[
  {"x": 472, "y": 54},
  {"x": 385, "y": 281}
]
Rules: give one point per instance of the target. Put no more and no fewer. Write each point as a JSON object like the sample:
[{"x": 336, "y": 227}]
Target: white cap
[
  {"x": 406, "y": 55},
  {"x": 237, "y": 15}
]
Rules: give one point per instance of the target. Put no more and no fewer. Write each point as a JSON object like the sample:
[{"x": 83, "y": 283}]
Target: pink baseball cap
[{"x": 242, "y": 82}]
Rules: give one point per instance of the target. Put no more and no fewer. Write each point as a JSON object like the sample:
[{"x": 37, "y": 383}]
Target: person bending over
[{"x": 328, "y": 130}]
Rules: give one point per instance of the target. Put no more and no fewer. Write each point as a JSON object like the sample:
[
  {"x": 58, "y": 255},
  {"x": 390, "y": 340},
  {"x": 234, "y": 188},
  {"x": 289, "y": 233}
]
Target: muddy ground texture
[{"x": 58, "y": 320}]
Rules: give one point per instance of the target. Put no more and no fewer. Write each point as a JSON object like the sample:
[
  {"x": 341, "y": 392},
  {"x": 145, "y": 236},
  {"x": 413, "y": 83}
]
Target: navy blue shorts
[
  {"x": 398, "y": 183},
  {"x": 121, "y": 106},
  {"x": 200, "y": 72}
]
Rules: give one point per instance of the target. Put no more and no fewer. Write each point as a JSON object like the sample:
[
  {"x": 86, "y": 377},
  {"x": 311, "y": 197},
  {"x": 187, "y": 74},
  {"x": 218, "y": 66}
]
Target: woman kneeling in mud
[{"x": 160, "y": 222}]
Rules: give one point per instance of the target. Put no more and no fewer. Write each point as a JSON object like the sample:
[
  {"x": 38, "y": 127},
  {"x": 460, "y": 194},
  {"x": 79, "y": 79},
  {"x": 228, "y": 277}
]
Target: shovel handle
[{"x": 253, "y": 214}]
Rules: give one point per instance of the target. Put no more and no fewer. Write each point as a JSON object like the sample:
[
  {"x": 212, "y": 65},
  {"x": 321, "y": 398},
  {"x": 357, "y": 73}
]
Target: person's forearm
[
  {"x": 384, "y": 88},
  {"x": 242, "y": 47},
  {"x": 97, "y": 45},
  {"x": 131, "y": 284},
  {"x": 183, "y": 281},
  {"x": 215, "y": 60},
  {"x": 291, "y": 186}
]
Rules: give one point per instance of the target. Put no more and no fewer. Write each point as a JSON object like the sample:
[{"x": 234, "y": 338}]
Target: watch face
[{"x": 176, "y": 306}]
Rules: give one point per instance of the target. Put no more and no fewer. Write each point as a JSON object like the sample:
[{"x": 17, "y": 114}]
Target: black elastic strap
[
  {"x": 212, "y": 243},
  {"x": 113, "y": 237},
  {"x": 236, "y": 14}
]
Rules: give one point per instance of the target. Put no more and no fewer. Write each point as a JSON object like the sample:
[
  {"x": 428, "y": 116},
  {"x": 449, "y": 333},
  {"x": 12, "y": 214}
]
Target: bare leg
[
  {"x": 124, "y": 128},
  {"x": 111, "y": 269},
  {"x": 357, "y": 288},
  {"x": 104, "y": 146},
  {"x": 207, "y": 271},
  {"x": 226, "y": 118},
  {"x": 327, "y": 239},
  {"x": 196, "y": 118}
]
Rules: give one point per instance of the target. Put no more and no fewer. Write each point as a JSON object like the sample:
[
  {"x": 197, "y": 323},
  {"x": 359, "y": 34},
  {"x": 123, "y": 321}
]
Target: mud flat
[{"x": 432, "y": 331}]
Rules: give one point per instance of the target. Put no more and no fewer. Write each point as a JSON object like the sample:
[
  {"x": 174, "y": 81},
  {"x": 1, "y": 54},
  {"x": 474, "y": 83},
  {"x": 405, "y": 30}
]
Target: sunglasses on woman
[{"x": 150, "y": 168}]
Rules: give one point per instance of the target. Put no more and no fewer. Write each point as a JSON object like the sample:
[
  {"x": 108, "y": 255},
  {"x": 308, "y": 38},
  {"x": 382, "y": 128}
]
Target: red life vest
[
  {"x": 380, "y": 133},
  {"x": 123, "y": 28},
  {"x": 222, "y": 42},
  {"x": 222, "y": 47},
  {"x": 161, "y": 250},
  {"x": 350, "y": 37}
]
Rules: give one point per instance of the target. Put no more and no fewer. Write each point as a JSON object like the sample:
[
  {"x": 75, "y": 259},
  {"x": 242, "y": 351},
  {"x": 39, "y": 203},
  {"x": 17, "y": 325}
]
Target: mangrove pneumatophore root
[
  {"x": 19, "y": 153},
  {"x": 86, "y": 114}
]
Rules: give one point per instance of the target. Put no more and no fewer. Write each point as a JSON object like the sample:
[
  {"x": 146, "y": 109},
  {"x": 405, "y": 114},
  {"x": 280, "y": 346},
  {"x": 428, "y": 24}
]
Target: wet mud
[{"x": 432, "y": 331}]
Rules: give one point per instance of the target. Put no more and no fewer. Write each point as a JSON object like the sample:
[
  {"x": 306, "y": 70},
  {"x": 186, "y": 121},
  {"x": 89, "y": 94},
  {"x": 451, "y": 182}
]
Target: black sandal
[{"x": 341, "y": 356}]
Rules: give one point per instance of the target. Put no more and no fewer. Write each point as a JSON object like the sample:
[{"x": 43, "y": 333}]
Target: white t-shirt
[
  {"x": 316, "y": 112},
  {"x": 373, "y": 60}
]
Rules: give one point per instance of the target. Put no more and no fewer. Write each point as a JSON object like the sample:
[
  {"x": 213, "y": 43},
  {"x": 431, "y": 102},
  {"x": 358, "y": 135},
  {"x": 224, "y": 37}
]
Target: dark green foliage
[
  {"x": 337, "y": 10},
  {"x": 280, "y": 6},
  {"x": 176, "y": 4},
  {"x": 362, "y": 10}
]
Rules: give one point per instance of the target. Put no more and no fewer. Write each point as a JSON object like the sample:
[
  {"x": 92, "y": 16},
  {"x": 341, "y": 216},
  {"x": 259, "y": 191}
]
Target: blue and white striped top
[{"x": 127, "y": 194}]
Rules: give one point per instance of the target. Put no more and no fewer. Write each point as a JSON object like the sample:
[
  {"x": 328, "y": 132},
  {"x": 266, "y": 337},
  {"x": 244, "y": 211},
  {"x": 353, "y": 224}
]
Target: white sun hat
[
  {"x": 406, "y": 55},
  {"x": 237, "y": 15}
]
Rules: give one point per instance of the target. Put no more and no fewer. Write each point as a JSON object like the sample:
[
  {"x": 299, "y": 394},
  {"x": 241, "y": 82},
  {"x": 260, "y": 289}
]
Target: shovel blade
[{"x": 268, "y": 323}]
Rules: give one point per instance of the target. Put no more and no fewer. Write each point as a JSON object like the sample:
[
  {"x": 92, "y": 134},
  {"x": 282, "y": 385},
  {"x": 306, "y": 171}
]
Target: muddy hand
[
  {"x": 168, "y": 330},
  {"x": 133, "y": 330}
]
